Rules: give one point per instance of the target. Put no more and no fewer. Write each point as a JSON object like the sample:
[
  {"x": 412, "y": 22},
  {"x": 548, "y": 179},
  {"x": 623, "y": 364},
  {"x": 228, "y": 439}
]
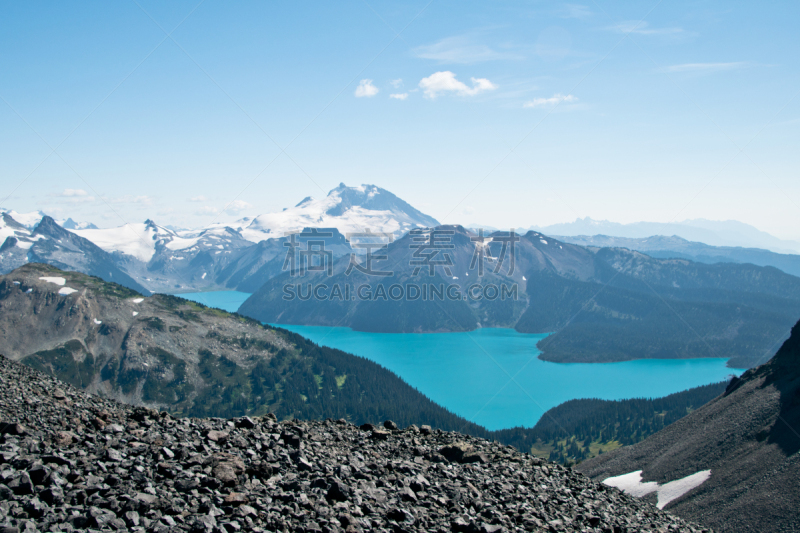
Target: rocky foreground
[{"x": 71, "y": 461}]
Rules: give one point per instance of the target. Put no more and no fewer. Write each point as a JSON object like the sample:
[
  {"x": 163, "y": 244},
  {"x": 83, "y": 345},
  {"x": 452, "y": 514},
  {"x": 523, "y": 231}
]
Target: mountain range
[
  {"x": 711, "y": 232},
  {"x": 677, "y": 247},
  {"x": 163, "y": 259},
  {"x": 600, "y": 298},
  {"x": 599, "y": 304}
]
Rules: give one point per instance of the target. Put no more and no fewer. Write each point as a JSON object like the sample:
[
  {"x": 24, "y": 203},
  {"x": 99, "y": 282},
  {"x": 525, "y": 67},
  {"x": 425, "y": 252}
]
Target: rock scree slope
[
  {"x": 748, "y": 438},
  {"x": 70, "y": 461}
]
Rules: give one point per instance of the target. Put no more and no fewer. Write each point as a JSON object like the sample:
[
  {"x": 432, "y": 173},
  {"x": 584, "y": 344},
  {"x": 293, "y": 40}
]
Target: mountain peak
[{"x": 348, "y": 209}]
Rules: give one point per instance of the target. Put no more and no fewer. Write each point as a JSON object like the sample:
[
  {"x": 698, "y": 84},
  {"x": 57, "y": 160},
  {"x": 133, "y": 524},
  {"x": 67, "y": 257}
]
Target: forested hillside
[{"x": 580, "y": 429}]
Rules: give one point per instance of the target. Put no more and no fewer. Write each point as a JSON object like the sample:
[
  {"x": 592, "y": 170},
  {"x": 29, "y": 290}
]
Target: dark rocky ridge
[
  {"x": 71, "y": 461},
  {"x": 673, "y": 247},
  {"x": 748, "y": 438}
]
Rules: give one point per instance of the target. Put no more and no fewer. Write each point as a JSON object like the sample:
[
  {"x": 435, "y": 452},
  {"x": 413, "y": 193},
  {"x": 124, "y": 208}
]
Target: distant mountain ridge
[
  {"x": 677, "y": 247},
  {"x": 711, "y": 232}
]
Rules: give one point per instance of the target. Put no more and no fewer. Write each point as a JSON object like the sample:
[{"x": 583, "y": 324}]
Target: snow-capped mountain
[
  {"x": 348, "y": 209},
  {"x": 28, "y": 220},
  {"x": 71, "y": 224},
  {"x": 165, "y": 260},
  {"x": 50, "y": 243},
  {"x": 138, "y": 240}
]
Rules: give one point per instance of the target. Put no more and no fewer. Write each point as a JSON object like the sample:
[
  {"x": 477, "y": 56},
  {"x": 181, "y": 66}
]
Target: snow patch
[
  {"x": 67, "y": 290},
  {"x": 137, "y": 300},
  {"x": 16, "y": 282},
  {"x": 632, "y": 484},
  {"x": 675, "y": 489},
  {"x": 135, "y": 313},
  {"x": 29, "y": 291},
  {"x": 54, "y": 279},
  {"x": 524, "y": 278},
  {"x": 98, "y": 322},
  {"x": 543, "y": 241},
  {"x": 203, "y": 276},
  {"x": 137, "y": 240},
  {"x": 29, "y": 220}
]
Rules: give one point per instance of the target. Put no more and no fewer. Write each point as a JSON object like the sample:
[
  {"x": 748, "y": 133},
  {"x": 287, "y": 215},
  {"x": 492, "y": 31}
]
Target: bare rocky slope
[
  {"x": 70, "y": 461},
  {"x": 748, "y": 438}
]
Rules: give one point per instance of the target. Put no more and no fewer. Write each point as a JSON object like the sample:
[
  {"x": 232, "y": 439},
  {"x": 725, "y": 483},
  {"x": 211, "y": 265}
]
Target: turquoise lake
[{"x": 493, "y": 376}]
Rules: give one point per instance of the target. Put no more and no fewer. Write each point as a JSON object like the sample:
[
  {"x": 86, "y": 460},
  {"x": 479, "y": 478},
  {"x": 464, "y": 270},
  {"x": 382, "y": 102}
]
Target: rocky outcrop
[{"x": 71, "y": 461}]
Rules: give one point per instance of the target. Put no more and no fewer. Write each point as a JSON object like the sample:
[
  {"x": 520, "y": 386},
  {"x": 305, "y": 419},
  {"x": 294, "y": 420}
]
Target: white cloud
[
  {"x": 207, "y": 210},
  {"x": 399, "y": 96},
  {"x": 130, "y": 199},
  {"x": 233, "y": 208},
  {"x": 461, "y": 49},
  {"x": 446, "y": 82},
  {"x": 366, "y": 89},
  {"x": 397, "y": 83},
  {"x": 554, "y": 100},
  {"x": 68, "y": 193},
  {"x": 642, "y": 28},
  {"x": 200, "y": 198},
  {"x": 237, "y": 206},
  {"x": 705, "y": 67},
  {"x": 74, "y": 196}
]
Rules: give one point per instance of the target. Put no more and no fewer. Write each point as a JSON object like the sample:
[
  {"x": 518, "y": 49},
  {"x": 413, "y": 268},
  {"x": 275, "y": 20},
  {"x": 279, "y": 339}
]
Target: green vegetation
[
  {"x": 581, "y": 429},
  {"x": 63, "y": 363},
  {"x": 176, "y": 390},
  {"x": 311, "y": 381},
  {"x": 153, "y": 323}
]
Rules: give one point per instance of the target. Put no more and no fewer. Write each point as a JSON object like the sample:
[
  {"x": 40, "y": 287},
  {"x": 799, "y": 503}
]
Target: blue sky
[{"x": 505, "y": 113}]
